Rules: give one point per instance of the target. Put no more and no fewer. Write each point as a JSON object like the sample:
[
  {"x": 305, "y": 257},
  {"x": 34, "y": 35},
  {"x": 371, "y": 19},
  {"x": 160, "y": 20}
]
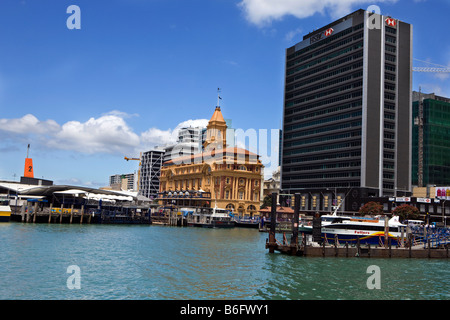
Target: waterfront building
[
  {"x": 221, "y": 175},
  {"x": 272, "y": 185},
  {"x": 127, "y": 181},
  {"x": 150, "y": 170},
  {"x": 436, "y": 140},
  {"x": 347, "y": 111},
  {"x": 190, "y": 141}
]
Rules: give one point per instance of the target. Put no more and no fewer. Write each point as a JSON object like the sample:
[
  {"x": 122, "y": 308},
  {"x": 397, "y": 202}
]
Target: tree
[
  {"x": 405, "y": 211},
  {"x": 267, "y": 202},
  {"x": 371, "y": 208}
]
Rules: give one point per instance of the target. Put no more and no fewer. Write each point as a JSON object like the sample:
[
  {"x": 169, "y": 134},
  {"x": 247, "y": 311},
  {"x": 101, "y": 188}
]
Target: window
[
  {"x": 241, "y": 195},
  {"x": 227, "y": 194}
]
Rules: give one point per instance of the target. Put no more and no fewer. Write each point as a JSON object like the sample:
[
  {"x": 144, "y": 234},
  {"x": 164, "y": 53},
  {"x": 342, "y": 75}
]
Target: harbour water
[{"x": 141, "y": 262}]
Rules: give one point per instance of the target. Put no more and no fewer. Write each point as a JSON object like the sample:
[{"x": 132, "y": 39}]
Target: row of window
[
  {"x": 325, "y": 41},
  {"x": 325, "y": 84},
  {"x": 325, "y": 67},
  {"x": 340, "y": 136},
  {"x": 335, "y": 175},
  {"x": 341, "y": 165},
  {"x": 325, "y": 58},
  {"x": 341, "y": 126},
  {"x": 324, "y": 111},
  {"x": 338, "y": 117},
  {"x": 324, "y": 148},
  {"x": 324, "y": 157},
  {"x": 333, "y": 100},
  {"x": 320, "y": 185},
  {"x": 326, "y": 76},
  {"x": 326, "y": 49}
]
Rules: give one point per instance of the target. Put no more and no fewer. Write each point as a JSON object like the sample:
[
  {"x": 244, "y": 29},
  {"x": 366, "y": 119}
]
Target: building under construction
[{"x": 430, "y": 140}]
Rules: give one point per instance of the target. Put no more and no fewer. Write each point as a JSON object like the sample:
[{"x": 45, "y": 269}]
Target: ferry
[
  {"x": 367, "y": 230},
  {"x": 210, "y": 218},
  {"x": 5, "y": 210}
]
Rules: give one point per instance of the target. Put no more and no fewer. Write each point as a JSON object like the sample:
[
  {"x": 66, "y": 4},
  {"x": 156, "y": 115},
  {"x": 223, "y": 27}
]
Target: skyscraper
[
  {"x": 347, "y": 107},
  {"x": 436, "y": 140}
]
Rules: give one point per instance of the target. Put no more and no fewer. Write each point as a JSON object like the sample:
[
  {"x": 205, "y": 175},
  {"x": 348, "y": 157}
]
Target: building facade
[
  {"x": 149, "y": 173},
  {"x": 222, "y": 176},
  {"x": 347, "y": 102},
  {"x": 436, "y": 140},
  {"x": 190, "y": 141},
  {"x": 127, "y": 181}
]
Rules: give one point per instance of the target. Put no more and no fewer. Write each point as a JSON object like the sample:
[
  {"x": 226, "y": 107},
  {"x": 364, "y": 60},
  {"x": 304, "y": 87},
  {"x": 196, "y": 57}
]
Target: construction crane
[
  {"x": 139, "y": 170},
  {"x": 435, "y": 68}
]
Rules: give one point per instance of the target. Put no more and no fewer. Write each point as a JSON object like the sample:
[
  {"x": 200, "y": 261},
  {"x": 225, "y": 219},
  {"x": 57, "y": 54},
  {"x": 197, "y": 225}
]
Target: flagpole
[{"x": 218, "y": 97}]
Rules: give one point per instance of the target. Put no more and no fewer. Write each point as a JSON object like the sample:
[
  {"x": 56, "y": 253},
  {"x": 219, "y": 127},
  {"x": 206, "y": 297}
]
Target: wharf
[
  {"x": 406, "y": 249},
  {"x": 365, "y": 251},
  {"x": 71, "y": 215}
]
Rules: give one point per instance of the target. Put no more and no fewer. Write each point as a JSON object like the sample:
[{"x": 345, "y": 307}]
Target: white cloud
[
  {"x": 29, "y": 124},
  {"x": 108, "y": 133},
  {"x": 263, "y": 12}
]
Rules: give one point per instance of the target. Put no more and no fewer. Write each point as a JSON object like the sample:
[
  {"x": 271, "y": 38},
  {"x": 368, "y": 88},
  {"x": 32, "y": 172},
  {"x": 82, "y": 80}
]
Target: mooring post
[
  {"x": 358, "y": 247},
  {"x": 82, "y": 214},
  {"x": 273, "y": 222},
  {"x": 35, "y": 211},
  {"x": 390, "y": 247},
  {"x": 71, "y": 213},
  {"x": 50, "y": 213},
  {"x": 294, "y": 239},
  {"x": 409, "y": 244}
]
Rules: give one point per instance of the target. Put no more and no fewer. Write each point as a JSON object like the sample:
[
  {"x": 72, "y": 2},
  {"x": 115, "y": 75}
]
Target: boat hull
[
  {"x": 216, "y": 224},
  {"x": 5, "y": 213},
  {"x": 376, "y": 238}
]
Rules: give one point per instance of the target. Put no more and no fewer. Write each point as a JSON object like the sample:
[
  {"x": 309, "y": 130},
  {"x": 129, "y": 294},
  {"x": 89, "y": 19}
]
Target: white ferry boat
[
  {"x": 210, "y": 218},
  {"x": 367, "y": 230},
  {"x": 5, "y": 211}
]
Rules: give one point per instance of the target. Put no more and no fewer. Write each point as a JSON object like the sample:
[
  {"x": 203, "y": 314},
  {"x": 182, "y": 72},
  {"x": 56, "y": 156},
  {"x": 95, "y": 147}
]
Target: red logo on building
[
  {"x": 329, "y": 32},
  {"x": 391, "y": 22}
]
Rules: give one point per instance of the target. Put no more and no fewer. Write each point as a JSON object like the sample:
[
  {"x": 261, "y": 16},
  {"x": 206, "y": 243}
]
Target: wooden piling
[
  {"x": 50, "y": 213},
  {"x": 82, "y": 214},
  {"x": 60, "y": 216},
  {"x": 22, "y": 212},
  {"x": 294, "y": 238},
  {"x": 35, "y": 212},
  {"x": 273, "y": 223},
  {"x": 71, "y": 213}
]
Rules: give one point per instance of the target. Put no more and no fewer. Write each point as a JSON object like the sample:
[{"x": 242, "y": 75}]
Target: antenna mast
[{"x": 218, "y": 97}]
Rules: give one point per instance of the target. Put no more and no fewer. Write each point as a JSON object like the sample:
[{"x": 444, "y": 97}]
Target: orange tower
[{"x": 28, "y": 171}]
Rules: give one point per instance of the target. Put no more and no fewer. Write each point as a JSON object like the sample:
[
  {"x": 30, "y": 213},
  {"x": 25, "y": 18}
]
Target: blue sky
[{"x": 137, "y": 69}]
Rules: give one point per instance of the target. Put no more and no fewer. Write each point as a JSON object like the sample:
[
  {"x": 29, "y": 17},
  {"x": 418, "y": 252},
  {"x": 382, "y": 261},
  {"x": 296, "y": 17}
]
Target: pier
[
  {"x": 34, "y": 213},
  {"x": 435, "y": 245}
]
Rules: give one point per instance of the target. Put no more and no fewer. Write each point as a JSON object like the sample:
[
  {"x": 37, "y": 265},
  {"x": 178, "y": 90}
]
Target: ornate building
[{"x": 226, "y": 177}]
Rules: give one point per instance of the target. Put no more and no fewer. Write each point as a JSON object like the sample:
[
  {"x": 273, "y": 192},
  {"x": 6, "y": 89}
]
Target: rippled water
[{"x": 167, "y": 263}]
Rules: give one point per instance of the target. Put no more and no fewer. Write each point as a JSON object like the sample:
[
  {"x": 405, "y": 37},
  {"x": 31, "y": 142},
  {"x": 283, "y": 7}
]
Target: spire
[{"x": 216, "y": 128}]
